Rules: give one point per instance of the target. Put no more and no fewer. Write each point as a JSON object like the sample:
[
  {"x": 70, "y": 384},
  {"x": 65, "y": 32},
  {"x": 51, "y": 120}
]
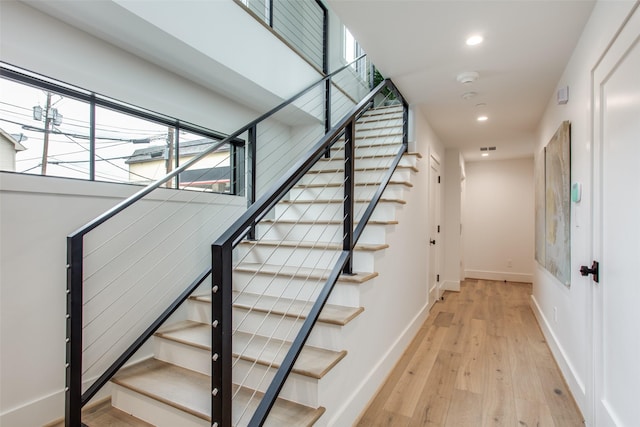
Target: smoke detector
[
  {"x": 467, "y": 77},
  {"x": 469, "y": 95}
]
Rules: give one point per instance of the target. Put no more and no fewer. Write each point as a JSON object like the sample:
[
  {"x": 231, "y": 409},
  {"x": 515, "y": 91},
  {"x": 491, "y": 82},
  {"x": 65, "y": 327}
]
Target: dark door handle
[
  {"x": 595, "y": 267},
  {"x": 432, "y": 242}
]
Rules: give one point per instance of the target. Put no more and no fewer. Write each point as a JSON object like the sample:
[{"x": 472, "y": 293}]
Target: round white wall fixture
[{"x": 467, "y": 77}]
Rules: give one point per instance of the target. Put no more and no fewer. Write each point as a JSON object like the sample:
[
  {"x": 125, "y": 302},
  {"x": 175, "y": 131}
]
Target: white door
[
  {"x": 435, "y": 243},
  {"x": 616, "y": 237}
]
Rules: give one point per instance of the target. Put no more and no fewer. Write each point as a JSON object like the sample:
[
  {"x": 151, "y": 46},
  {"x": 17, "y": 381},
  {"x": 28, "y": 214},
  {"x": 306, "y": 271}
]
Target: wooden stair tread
[
  {"x": 325, "y": 222},
  {"x": 181, "y": 388},
  {"x": 190, "y": 391},
  {"x": 371, "y": 169},
  {"x": 313, "y": 362},
  {"x": 333, "y": 314},
  {"x": 382, "y": 126},
  {"x": 382, "y": 200},
  {"x": 302, "y": 272},
  {"x": 314, "y": 245},
  {"x": 371, "y": 156},
  {"x": 386, "y": 135},
  {"x": 357, "y": 184},
  {"x": 383, "y": 111}
]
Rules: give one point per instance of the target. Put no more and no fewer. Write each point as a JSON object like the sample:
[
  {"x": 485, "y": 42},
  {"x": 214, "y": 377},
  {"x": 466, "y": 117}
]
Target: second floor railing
[{"x": 302, "y": 25}]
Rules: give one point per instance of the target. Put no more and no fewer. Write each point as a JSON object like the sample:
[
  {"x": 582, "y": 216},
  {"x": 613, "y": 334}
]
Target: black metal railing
[
  {"x": 222, "y": 258},
  {"x": 75, "y": 398}
]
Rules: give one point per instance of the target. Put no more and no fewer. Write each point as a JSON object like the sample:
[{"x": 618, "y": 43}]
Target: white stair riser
[
  {"x": 184, "y": 355},
  {"x": 298, "y": 388},
  {"x": 303, "y": 257},
  {"x": 389, "y": 117},
  {"x": 151, "y": 410},
  {"x": 372, "y": 234},
  {"x": 323, "y": 335},
  {"x": 344, "y": 293},
  {"x": 361, "y": 177},
  {"x": 310, "y": 211},
  {"x": 290, "y": 256},
  {"x": 393, "y": 191},
  {"x": 371, "y": 162},
  {"x": 382, "y": 129}
]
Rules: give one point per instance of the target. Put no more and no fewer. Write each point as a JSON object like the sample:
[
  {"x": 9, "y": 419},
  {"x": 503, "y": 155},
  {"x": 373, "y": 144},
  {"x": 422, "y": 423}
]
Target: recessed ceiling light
[
  {"x": 474, "y": 40},
  {"x": 485, "y": 154},
  {"x": 482, "y": 118}
]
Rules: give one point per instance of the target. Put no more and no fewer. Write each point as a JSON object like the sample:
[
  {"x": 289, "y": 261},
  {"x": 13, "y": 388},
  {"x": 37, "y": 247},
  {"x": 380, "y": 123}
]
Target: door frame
[
  {"x": 435, "y": 219},
  {"x": 622, "y": 42}
]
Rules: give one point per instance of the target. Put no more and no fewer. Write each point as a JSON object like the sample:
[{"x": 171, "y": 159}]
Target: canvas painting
[
  {"x": 540, "y": 233},
  {"x": 557, "y": 204}
]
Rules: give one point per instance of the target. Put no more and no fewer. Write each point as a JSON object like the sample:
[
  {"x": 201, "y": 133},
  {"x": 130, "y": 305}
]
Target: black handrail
[
  {"x": 221, "y": 400},
  {"x": 74, "y": 398}
]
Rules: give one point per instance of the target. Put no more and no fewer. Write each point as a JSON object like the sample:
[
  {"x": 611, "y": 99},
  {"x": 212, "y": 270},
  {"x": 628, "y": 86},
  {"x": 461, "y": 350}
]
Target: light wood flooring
[{"x": 480, "y": 359}]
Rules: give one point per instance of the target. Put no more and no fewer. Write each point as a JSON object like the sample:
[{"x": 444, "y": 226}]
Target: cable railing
[
  {"x": 302, "y": 25},
  {"x": 275, "y": 267},
  {"x": 130, "y": 269}
]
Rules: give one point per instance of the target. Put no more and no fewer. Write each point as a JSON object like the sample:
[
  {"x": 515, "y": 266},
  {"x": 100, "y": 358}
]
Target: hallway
[{"x": 479, "y": 360}]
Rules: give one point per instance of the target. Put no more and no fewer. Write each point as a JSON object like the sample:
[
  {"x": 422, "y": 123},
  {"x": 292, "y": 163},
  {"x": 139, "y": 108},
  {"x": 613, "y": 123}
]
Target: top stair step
[{"x": 190, "y": 392}]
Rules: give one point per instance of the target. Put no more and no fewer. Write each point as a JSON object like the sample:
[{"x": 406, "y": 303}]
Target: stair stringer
[{"x": 395, "y": 306}]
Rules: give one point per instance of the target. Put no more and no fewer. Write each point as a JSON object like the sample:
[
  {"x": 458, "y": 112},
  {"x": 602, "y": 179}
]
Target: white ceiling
[{"x": 420, "y": 45}]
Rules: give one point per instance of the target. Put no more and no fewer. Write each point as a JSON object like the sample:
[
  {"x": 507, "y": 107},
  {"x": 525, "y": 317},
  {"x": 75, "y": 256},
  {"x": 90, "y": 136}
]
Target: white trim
[
  {"x": 353, "y": 407},
  {"x": 576, "y": 386},
  {"x": 451, "y": 285},
  {"x": 499, "y": 275}
]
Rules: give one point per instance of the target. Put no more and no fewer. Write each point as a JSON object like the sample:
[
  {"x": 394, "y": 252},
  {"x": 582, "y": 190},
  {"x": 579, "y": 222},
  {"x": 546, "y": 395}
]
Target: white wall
[
  {"x": 96, "y": 65},
  {"x": 569, "y": 336},
  {"x": 36, "y": 215},
  {"x": 498, "y": 220},
  {"x": 396, "y": 302}
]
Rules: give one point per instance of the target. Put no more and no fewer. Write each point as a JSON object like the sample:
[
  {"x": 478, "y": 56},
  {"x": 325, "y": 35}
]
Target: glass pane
[
  {"x": 130, "y": 149},
  {"x": 212, "y": 172},
  {"x": 43, "y": 132}
]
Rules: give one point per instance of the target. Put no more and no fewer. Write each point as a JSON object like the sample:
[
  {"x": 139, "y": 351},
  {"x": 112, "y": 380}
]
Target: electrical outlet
[
  {"x": 509, "y": 263},
  {"x": 555, "y": 314}
]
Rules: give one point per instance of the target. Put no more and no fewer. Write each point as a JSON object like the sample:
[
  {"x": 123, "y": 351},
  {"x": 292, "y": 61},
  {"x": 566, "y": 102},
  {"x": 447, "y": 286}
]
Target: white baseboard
[
  {"x": 451, "y": 285},
  {"x": 353, "y": 407},
  {"x": 577, "y": 387},
  {"x": 499, "y": 275},
  {"x": 36, "y": 413}
]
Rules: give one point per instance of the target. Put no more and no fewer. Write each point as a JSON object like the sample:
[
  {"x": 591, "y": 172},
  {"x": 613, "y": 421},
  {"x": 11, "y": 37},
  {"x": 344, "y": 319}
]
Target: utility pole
[
  {"x": 47, "y": 123},
  {"x": 170, "y": 160}
]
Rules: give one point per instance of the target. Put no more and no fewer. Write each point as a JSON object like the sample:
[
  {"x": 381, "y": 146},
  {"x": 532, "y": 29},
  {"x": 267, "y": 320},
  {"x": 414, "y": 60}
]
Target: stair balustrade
[
  {"x": 361, "y": 154},
  {"x": 128, "y": 269}
]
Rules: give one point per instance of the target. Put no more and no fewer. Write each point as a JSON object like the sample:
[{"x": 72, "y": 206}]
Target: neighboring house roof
[
  {"x": 9, "y": 138},
  {"x": 187, "y": 149}
]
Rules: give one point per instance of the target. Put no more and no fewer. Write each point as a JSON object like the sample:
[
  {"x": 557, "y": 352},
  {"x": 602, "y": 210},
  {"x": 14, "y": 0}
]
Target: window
[
  {"x": 352, "y": 50},
  {"x": 52, "y": 129}
]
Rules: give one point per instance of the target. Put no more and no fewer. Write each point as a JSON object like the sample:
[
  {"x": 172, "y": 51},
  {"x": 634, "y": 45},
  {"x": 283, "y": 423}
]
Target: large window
[{"x": 52, "y": 129}]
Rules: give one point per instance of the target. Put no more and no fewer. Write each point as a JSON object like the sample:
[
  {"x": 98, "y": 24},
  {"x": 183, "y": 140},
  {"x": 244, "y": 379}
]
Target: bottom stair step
[{"x": 189, "y": 391}]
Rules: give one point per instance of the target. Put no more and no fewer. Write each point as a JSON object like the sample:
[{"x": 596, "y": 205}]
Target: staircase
[{"x": 276, "y": 279}]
